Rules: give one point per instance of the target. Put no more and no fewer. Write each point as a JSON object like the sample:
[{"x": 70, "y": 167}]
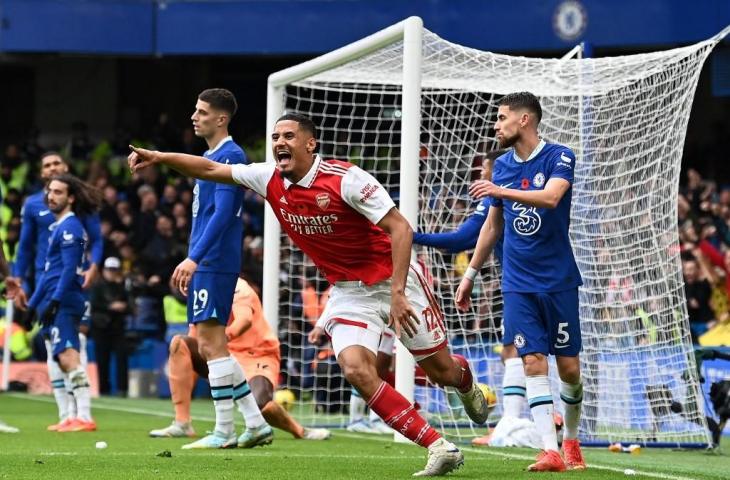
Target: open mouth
[{"x": 283, "y": 157}]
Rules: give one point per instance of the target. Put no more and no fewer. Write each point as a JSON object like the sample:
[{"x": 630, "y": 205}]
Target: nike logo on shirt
[{"x": 43, "y": 213}]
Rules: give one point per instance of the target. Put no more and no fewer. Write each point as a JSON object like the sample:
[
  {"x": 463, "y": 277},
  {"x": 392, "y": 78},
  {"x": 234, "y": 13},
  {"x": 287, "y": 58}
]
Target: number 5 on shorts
[{"x": 563, "y": 335}]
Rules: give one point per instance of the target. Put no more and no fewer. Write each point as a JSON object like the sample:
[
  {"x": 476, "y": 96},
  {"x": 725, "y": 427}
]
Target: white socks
[
  {"x": 79, "y": 383},
  {"x": 244, "y": 398},
  {"x": 83, "y": 357},
  {"x": 220, "y": 375},
  {"x": 513, "y": 388},
  {"x": 541, "y": 406},
  {"x": 572, "y": 396},
  {"x": 58, "y": 383}
]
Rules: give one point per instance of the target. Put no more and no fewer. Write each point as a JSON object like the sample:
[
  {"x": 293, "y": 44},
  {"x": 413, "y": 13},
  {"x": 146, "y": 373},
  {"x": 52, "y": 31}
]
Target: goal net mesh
[{"x": 625, "y": 118}]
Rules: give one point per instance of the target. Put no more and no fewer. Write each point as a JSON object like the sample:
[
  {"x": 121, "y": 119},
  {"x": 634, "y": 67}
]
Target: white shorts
[{"x": 357, "y": 314}]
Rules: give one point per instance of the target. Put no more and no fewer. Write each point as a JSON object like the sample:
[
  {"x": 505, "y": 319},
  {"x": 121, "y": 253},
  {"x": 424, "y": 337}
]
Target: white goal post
[{"x": 416, "y": 111}]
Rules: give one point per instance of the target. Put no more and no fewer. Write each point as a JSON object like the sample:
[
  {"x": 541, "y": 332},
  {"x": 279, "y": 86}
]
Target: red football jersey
[{"x": 331, "y": 215}]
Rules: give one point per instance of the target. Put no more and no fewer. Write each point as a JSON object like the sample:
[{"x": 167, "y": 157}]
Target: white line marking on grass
[
  {"x": 243, "y": 453},
  {"x": 518, "y": 456},
  {"x": 98, "y": 404}
]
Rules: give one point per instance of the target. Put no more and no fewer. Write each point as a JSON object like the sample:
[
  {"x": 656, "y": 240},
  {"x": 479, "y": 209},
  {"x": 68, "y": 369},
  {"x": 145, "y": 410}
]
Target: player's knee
[
  {"x": 535, "y": 364},
  {"x": 262, "y": 390},
  {"x": 569, "y": 371},
  {"x": 67, "y": 362},
  {"x": 444, "y": 374},
  {"x": 206, "y": 350},
  {"x": 360, "y": 376},
  {"x": 508, "y": 351}
]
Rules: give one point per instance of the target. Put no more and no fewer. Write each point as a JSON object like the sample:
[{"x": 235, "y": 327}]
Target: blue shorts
[
  {"x": 86, "y": 317},
  {"x": 210, "y": 295},
  {"x": 546, "y": 323},
  {"x": 64, "y": 333}
]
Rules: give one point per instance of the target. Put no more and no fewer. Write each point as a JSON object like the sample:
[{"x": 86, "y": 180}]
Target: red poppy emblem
[
  {"x": 525, "y": 184},
  {"x": 323, "y": 200}
]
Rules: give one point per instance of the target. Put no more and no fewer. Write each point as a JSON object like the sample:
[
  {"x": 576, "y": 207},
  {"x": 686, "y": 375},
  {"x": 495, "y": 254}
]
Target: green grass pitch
[{"x": 131, "y": 454}]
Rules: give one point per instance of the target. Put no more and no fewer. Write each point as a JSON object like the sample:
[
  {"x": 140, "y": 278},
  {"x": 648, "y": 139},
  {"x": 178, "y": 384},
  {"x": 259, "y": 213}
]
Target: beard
[
  {"x": 57, "y": 207},
  {"x": 507, "y": 142},
  {"x": 286, "y": 175}
]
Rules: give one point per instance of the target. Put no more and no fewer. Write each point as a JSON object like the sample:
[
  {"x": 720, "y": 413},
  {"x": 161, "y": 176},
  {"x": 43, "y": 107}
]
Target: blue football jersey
[
  {"x": 62, "y": 276},
  {"x": 217, "y": 231},
  {"x": 537, "y": 254},
  {"x": 36, "y": 219}
]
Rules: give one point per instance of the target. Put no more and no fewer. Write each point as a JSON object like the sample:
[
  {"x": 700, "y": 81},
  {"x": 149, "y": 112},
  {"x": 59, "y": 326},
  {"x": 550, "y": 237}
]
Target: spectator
[
  {"x": 698, "y": 292},
  {"x": 162, "y": 252},
  {"x": 79, "y": 147},
  {"x": 110, "y": 306},
  {"x": 144, "y": 224}
]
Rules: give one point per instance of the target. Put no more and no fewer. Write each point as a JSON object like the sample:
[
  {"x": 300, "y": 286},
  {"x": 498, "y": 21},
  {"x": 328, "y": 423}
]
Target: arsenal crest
[{"x": 323, "y": 200}]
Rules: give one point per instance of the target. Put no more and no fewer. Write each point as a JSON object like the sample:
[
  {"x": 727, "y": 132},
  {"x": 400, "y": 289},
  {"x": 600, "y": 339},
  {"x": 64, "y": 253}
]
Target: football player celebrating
[{"x": 345, "y": 221}]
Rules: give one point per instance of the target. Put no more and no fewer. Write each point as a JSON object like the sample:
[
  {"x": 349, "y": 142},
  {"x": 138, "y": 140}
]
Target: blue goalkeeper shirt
[
  {"x": 62, "y": 277},
  {"x": 215, "y": 239},
  {"x": 537, "y": 254},
  {"x": 463, "y": 238},
  {"x": 35, "y": 231}
]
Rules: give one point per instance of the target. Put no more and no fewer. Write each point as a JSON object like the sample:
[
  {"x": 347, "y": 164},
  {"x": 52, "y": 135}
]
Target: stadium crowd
[
  {"x": 704, "y": 233},
  {"x": 146, "y": 218},
  {"x": 145, "y": 223}
]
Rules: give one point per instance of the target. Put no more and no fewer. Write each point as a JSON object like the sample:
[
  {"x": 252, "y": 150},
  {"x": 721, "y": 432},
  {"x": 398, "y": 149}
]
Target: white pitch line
[
  {"x": 518, "y": 456},
  {"x": 233, "y": 453},
  {"x": 513, "y": 456}
]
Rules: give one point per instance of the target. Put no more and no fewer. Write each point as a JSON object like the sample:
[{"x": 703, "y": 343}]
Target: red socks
[{"x": 400, "y": 415}]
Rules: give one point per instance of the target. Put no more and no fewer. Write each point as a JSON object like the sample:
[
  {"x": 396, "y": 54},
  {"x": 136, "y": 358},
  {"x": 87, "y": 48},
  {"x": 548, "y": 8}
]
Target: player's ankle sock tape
[
  {"x": 572, "y": 396},
  {"x": 78, "y": 378},
  {"x": 571, "y": 393}
]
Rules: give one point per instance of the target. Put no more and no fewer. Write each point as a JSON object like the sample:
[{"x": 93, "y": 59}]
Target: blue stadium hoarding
[
  {"x": 237, "y": 27},
  {"x": 78, "y": 26}
]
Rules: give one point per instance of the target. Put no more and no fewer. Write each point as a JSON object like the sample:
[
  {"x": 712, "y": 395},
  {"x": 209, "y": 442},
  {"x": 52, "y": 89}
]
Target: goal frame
[{"x": 410, "y": 31}]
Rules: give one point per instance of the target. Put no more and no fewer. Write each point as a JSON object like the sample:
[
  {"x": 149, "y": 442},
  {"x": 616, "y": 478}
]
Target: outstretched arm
[
  {"x": 549, "y": 197},
  {"x": 463, "y": 238},
  {"x": 188, "y": 165}
]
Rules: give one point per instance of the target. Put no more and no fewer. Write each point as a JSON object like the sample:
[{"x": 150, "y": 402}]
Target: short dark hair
[
  {"x": 52, "y": 153},
  {"x": 220, "y": 99},
  {"x": 87, "y": 199},
  {"x": 524, "y": 100},
  {"x": 305, "y": 123}
]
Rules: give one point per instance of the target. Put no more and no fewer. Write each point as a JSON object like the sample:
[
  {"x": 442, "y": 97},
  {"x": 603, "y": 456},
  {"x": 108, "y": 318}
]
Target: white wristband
[{"x": 471, "y": 273}]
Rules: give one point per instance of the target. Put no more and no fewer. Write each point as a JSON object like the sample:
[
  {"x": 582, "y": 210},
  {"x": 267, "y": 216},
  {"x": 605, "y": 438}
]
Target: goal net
[{"x": 624, "y": 117}]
